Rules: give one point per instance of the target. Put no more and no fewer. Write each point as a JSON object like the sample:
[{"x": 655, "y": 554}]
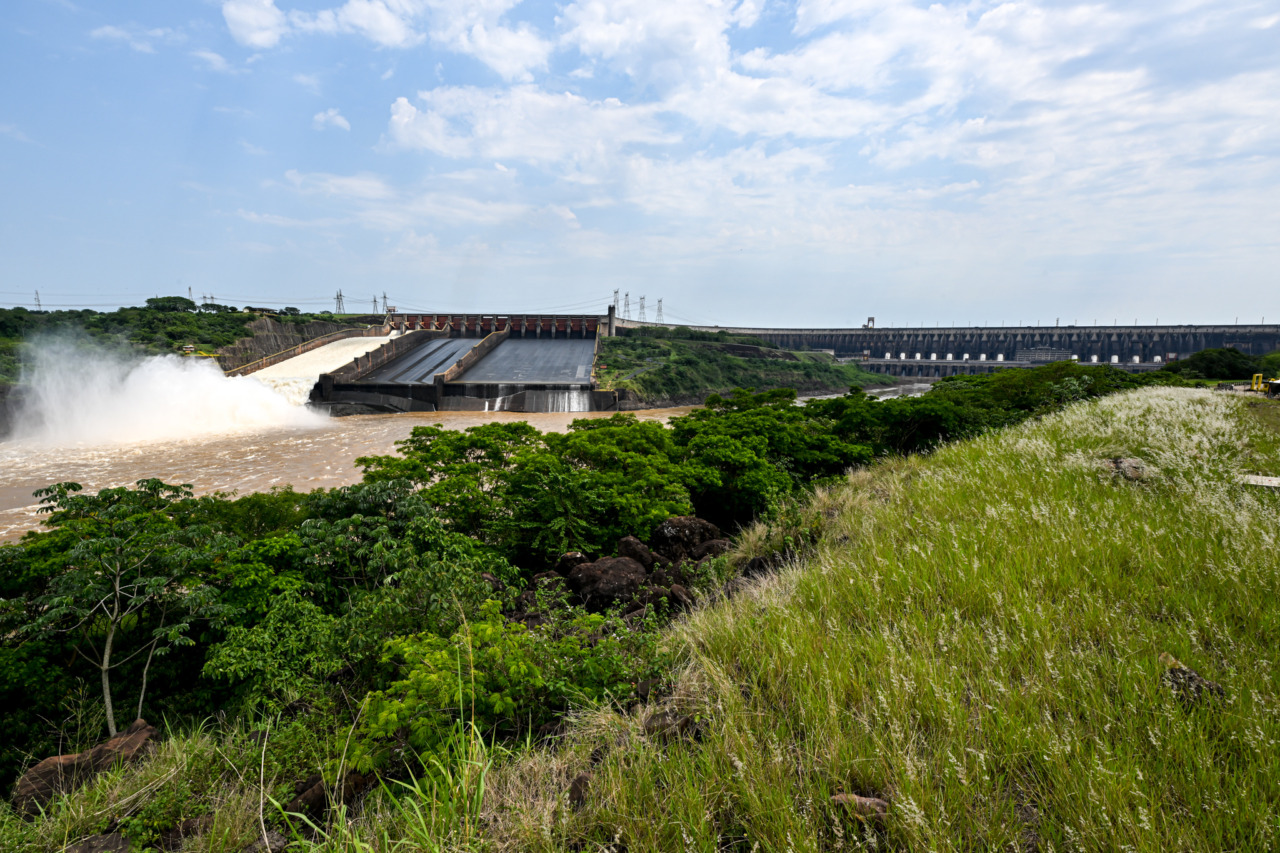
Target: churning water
[
  {"x": 104, "y": 422},
  {"x": 76, "y": 395}
]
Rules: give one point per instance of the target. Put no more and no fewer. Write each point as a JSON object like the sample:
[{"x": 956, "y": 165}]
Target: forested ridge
[{"x": 164, "y": 324}]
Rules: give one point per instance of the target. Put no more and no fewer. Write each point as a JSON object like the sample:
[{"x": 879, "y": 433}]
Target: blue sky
[{"x": 802, "y": 163}]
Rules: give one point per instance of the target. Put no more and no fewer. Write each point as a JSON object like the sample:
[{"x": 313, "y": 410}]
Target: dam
[
  {"x": 484, "y": 363},
  {"x": 544, "y": 363}
]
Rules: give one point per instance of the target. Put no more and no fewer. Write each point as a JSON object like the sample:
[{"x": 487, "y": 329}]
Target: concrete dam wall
[
  {"x": 939, "y": 351},
  {"x": 427, "y": 371}
]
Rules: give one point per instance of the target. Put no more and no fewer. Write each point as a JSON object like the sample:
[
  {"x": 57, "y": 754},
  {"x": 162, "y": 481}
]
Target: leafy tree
[
  {"x": 281, "y": 657},
  {"x": 129, "y": 584},
  {"x": 1226, "y": 363},
  {"x": 1269, "y": 365},
  {"x": 171, "y": 303}
]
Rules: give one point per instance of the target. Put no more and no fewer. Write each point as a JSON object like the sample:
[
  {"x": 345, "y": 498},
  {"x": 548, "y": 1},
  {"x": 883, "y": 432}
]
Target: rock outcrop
[{"x": 62, "y": 773}]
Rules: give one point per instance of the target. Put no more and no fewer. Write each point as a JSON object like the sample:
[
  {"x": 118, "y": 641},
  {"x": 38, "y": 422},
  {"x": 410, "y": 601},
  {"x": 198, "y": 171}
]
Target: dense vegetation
[
  {"x": 164, "y": 324},
  {"x": 684, "y": 365},
  {"x": 1225, "y": 364},
  {"x": 372, "y": 626}
]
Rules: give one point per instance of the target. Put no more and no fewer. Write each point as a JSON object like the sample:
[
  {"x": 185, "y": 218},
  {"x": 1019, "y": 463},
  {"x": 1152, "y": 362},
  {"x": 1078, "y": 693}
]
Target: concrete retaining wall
[{"x": 308, "y": 346}]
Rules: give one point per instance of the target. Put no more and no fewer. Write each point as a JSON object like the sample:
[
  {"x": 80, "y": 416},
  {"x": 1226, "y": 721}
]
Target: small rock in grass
[
  {"x": 1188, "y": 685},
  {"x": 680, "y": 598},
  {"x": 112, "y": 842},
  {"x": 578, "y": 789},
  {"x": 273, "y": 842},
  {"x": 668, "y": 724},
  {"x": 1129, "y": 468},
  {"x": 863, "y": 808}
]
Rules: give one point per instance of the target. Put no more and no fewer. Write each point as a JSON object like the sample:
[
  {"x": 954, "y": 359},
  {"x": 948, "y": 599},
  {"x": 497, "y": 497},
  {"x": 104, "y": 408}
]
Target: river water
[
  {"x": 228, "y": 453},
  {"x": 307, "y": 457}
]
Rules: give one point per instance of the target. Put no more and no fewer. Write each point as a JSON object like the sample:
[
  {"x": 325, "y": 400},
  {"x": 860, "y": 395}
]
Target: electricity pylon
[
  {"x": 339, "y": 306},
  {"x": 641, "y": 309}
]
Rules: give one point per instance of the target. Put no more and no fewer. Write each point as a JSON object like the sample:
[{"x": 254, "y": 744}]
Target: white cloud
[
  {"x": 521, "y": 123},
  {"x": 215, "y": 61},
  {"x": 330, "y": 118},
  {"x": 389, "y": 23},
  {"x": 364, "y": 186},
  {"x": 13, "y": 132},
  {"x": 255, "y": 23},
  {"x": 138, "y": 38},
  {"x": 250, "y": 148},
  {"x": 308, "y": 81}
]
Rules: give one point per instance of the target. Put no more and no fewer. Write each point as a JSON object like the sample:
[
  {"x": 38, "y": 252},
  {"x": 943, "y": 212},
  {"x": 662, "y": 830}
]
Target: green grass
[{"x": 975, "y": 639}]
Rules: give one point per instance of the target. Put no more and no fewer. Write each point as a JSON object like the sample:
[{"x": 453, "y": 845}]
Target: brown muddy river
[{"x": 307, "y": 457}]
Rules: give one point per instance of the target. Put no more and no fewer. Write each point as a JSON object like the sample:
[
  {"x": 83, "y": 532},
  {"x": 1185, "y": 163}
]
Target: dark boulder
[
  {"x": 630, "y": 546},
  {"x": 547, "y": 580},
  {"x": 112, "y": 842},
  {"x": 578, "y": 789},
  {"x": 677, "y": 537},
  {"x": 669, "y": 725},
  {"x": 63, "y": 773},
  {"x": 314, "y": 797},
  {"x": 612, "y": 580},
  {"x": 710, "y": 548},
  {"x": 570, "y": 561},
  {"x": 679, "y": 598}
]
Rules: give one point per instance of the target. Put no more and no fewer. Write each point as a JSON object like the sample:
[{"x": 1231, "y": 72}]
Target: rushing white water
[
  {"x": 295, "y": 377},
  {"x": 74, "y": 394}
]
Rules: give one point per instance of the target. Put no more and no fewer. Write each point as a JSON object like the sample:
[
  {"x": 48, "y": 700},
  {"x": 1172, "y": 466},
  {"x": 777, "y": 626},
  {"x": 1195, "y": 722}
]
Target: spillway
[
  {"x": 295, "y": 377},
  {"x": 422, "y": 363}
]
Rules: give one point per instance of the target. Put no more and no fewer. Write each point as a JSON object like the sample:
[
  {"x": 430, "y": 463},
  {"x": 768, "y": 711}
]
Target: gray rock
[{"x": 1188, "y": 685}]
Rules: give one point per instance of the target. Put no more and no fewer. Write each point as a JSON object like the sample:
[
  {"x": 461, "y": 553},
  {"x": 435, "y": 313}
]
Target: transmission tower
[
  {"x": 339, "y": 306},
  {"x": 384, "y": 302},
  {"x": 658, "y": 319},
  {"x": 641, "y": 309},
  {"x": 38, "y": 301},
  {"x": 615, "y": 300},
  {"x": 626, "y": 305},
  {"x": 375, "y": 303}
]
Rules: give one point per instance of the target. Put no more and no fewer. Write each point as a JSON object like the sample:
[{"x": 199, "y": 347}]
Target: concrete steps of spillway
[{"x": 431, "y": 370}]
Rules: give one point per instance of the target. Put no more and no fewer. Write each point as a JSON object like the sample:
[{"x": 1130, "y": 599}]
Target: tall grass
[{"x": 976, "y": 640}]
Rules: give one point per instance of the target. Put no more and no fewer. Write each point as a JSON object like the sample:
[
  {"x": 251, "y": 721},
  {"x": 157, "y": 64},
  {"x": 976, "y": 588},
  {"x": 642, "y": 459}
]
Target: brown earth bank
[{"x": 270, "y": 337}]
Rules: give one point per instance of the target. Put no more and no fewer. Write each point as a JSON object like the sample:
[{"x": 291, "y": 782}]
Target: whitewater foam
[{"x": 73, "y": 394}]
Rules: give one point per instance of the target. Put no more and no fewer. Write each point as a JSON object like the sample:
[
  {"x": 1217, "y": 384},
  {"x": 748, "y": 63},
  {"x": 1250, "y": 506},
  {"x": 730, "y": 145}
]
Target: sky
[{"x": 752, "y": 162}]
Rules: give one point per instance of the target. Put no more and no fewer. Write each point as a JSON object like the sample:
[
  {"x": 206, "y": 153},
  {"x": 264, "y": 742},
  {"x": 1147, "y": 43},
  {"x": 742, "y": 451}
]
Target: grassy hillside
[
  {"x": 681, "y": 364},
  {"x": 974, "y": 637}
]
